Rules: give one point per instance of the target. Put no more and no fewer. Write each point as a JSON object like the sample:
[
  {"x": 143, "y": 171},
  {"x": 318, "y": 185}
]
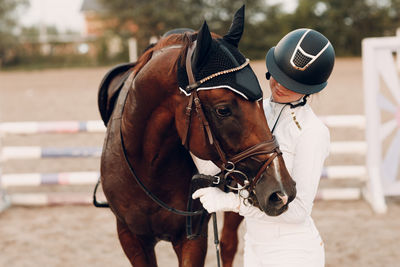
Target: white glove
[{"x": 213, "y": 200}]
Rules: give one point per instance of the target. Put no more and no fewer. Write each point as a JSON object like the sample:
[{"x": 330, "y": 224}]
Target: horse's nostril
[
  {"x": 278, "y": 199},
  {"x": 284, "y": 198}
]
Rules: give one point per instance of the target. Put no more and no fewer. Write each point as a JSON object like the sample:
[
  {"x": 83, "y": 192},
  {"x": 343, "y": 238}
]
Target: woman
[{"x": 298, "y": 66}]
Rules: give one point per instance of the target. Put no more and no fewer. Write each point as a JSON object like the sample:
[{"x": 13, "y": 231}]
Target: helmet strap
[{"x": 302, "y": 103}]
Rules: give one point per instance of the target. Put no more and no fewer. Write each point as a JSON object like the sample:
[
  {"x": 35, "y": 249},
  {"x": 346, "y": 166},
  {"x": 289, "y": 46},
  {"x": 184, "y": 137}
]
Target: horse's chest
[{"x": 162, "y": 225}]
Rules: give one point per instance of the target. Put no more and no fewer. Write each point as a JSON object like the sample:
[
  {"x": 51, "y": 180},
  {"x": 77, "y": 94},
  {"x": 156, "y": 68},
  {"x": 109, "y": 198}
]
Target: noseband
[{"x": 228, "y": 166}]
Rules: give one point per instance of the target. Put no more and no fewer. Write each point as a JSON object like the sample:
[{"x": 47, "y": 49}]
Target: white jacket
[
  {"x": 305, "y": 146},
  {"x": 290, "y": 239},
  {"x": 292, "y": 235}
]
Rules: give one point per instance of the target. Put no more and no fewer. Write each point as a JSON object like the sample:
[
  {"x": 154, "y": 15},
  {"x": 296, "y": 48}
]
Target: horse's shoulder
[{"x": 109, "y": 88}]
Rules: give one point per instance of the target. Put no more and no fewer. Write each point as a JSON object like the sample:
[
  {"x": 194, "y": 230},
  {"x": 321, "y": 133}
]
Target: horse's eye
[{"x": 223, "y": 111}]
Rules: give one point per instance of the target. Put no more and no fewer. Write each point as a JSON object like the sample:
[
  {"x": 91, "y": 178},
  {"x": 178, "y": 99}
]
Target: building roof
[{"x": 92, "y": 5}]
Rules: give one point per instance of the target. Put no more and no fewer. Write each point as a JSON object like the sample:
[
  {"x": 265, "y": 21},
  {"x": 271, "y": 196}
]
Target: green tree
[
  {"x": 8, "y": 23},
  {"x": 266, "y": 32},
  {"x": 158, "y": 16},
  {"x": 219, "y": 16},
  {"x": 346, "y": 23},
  {"x": 152, "y": 17}
]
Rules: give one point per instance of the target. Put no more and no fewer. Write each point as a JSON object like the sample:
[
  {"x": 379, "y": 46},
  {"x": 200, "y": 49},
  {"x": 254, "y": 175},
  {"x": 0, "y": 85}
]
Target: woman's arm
[{"x": 312, "y": 148}]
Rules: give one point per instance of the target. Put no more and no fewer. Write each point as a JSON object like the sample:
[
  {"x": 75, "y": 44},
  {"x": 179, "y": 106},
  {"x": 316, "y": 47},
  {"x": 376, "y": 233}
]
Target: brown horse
[{"x": 189, "y": 93}]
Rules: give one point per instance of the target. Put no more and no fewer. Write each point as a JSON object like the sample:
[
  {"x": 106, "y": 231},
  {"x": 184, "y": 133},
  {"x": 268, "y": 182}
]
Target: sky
[{"x": 64, "y": 14}]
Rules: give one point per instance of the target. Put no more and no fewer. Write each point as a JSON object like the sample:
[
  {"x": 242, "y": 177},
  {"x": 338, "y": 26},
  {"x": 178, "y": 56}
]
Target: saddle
[{"x": 107, "y": 95}]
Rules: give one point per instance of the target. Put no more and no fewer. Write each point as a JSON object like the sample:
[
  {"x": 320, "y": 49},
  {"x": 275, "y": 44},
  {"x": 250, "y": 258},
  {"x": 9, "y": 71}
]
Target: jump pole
[
  {"x": 38, "y": 179},
  {"x": 50, "y": 199},
  {"x": 94, "y": 126},
  {"x": 37, "y": 152},
  {"x": 4, "y": 198}
]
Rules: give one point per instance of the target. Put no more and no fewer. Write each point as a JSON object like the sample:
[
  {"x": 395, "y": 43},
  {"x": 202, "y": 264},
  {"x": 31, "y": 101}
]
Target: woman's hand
[{"x": 213, "y": 199}]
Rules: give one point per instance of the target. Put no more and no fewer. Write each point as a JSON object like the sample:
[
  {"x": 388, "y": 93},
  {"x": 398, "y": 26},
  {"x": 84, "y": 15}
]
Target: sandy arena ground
[{"x": 86, "y": 236}]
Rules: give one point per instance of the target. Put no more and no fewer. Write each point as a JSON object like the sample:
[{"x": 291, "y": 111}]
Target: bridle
[
  {"x": 228, "y": 166},
  {"x": 245, "y": 185}
]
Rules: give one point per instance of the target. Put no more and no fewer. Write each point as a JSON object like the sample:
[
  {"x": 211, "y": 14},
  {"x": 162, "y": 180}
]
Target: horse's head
[{"x": 229, "y": 126}]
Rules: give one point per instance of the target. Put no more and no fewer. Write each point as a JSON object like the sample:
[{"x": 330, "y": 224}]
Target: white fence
[
  {"x": 21, "y": 153},
  {"x": 379, "y": 72},
  {"x": 339, "y": 148}
]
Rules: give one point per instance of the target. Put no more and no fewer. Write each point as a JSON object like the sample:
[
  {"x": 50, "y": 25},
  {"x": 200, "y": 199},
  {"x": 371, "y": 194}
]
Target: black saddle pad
[{"x": 107, "y": 96}]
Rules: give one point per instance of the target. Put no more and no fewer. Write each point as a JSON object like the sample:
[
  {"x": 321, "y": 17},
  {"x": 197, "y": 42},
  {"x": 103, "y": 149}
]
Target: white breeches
[{"x": 286, "y": 249}]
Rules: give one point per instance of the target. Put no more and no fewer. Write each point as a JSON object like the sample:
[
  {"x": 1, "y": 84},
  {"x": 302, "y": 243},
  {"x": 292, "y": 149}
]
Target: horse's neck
[
  {"x": 160, "y": 139},
  {"x": 148, "y": 125}
]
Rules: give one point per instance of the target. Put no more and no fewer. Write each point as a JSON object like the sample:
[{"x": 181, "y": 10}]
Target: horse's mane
[{"x": 185, "y": 39}]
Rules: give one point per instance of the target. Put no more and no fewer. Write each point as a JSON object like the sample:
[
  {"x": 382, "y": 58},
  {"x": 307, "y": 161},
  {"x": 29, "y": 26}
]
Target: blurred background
[
  {"x": 53, "y": 55},
  {"x": 65, "y": 33}
]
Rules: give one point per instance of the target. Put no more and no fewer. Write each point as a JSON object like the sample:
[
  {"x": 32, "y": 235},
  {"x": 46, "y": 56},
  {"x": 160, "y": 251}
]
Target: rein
[
  {"x": 137, "y": 179},
  {"x": 228, "y": 166},
  {"x": 149, "y": 193}
]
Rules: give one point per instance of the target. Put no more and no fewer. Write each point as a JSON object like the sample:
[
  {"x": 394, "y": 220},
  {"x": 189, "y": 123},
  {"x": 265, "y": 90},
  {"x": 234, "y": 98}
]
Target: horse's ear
[
  {"x": 235, "y": 32},
  {"x": 203, "y": 46}
]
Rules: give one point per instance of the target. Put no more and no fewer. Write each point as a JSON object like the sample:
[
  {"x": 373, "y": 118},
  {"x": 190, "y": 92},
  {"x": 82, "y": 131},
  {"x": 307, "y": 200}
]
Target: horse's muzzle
[{"x": 274, "y": 199}]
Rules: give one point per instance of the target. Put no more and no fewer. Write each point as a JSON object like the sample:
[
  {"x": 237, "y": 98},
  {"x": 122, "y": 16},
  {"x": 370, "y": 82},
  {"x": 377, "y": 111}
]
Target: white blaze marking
[{"x": 278, "y": 176}]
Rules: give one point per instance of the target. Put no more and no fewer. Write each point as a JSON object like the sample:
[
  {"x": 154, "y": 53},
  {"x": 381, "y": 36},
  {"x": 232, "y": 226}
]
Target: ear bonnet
[{"x": 217, "y": 63}]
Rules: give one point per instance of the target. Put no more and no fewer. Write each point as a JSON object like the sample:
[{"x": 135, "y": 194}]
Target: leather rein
[{"x": 228, "y": 166}]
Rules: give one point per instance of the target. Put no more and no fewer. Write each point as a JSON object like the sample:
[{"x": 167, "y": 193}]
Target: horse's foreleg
[
  {"x": 229, "y": 237},
  {"x": 191, "y": 253},
  {"x": 139, "y": 250}
]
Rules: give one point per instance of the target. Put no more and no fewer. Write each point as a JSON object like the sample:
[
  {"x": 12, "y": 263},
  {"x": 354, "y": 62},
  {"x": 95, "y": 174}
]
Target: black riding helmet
[{"x": 302, "y": 61}]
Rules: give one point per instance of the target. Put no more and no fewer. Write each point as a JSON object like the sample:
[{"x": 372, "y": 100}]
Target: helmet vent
[{"x": 300, "y": 60}]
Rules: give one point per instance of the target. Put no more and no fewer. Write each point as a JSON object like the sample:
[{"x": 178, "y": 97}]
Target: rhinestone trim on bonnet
[{"x": 195, "y": 85}]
